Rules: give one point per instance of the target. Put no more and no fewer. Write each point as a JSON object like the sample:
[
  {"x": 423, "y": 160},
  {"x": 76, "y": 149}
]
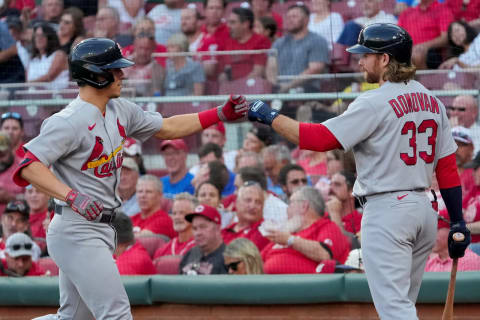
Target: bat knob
[{"x": 458, "y": 236}]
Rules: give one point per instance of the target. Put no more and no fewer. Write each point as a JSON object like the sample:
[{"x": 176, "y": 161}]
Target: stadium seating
[
  {"x": 245, "y": 86},
  {"x": 48, "y": 265},
  {"x": 151, "y": 244},
  {"x": 437, "y": 81},
  {"x": 167, "y": 264}
]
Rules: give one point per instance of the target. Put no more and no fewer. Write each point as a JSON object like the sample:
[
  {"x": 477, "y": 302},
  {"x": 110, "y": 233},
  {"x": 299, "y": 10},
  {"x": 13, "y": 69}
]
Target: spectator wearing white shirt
[
  {"x": 167, "y": 18},
  {"x": 325, "y": 23}
]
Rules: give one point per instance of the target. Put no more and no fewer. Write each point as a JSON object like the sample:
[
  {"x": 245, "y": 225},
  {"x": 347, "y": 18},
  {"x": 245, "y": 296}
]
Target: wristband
[
  {"x": 291, "y": 240},
  {"x": 208, "y": 118}
]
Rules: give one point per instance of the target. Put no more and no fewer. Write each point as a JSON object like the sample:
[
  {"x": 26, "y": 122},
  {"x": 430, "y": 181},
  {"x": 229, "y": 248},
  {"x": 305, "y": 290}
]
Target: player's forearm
[
  {"x": 179, "y": 126},
  {"x": 287, "y": 127},
  {"x": 474, "y": 227},
  {"x": 311, "y": 249},
  {"x": 43, "y": 179}
]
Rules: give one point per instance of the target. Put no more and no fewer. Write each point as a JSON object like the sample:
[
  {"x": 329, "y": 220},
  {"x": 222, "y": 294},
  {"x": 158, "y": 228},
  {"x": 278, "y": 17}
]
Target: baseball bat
[{"x": 448, "y": 309}]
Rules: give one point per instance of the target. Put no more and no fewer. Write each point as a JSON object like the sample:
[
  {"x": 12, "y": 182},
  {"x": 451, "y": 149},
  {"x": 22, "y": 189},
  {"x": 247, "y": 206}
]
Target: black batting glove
[
  {"x": 456, "y": 246},
  {"x": 261, "y": 112}
]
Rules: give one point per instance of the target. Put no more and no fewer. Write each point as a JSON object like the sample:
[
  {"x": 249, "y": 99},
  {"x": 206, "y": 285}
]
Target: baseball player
[
  {"x": 83, "y": 145},
  {"x": 400, "y": 135}
]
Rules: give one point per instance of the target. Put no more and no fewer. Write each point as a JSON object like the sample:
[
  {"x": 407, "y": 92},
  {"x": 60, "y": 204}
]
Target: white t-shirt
[
  {"x": 39, "y": 66},
  {"x": 125, "y": 17},
  {"x": 381, "y": 17},
  {"x": 167, "y": 22},
  {"x": 329, "y": 28},
  {"x": 472, "y": 56}
]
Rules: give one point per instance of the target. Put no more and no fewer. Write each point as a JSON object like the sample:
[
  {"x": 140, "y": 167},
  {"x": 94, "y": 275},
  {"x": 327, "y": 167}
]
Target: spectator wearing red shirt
[
  {"x": 263, "y": 8},
  {"x": 249, "y": 206},
  {"x": 439, "y": 260},
  {"x": 464, "y": 155},
  {"x": 151, "y": 220},
  {"x": 471, "y": 206},
  {"x": 146, "y": 68},
  {"x": 341, "y": 206},
  {"x": 183, "y": 204},
  {"x": 38, "y": 203},
  {"x": 215, "y": 33},
  {"x": 12, "y": 124},
  {"x": 131, "y": 257},
  {"x": 242, "y": 37},
  {"x": 465, "y": 10},
  {"x": 18, "y": 257},
  {"x": 427, "y": 23},
  {"x": 308, "y": 242},
  {"x": 145, "y": 27}
]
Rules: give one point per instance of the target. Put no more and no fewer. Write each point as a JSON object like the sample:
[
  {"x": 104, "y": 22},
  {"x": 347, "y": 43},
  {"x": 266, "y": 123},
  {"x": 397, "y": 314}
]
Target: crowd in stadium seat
[{"x": 263, "y": 208}]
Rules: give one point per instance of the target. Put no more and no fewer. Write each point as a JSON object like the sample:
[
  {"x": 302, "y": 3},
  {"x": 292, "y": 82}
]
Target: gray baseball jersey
[
  {"x": 84, "y": 148},
  {"x": 397, "y": 132}
]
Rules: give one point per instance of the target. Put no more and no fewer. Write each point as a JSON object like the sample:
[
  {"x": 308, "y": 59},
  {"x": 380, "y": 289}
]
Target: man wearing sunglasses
[
  {"x": 464, "y": 112},
  {"x": 18, "y": 257},
  {"x": 83, "y": 146},
  {"x": 291, "y": 178},
  {"x": 12, "y": 123}
]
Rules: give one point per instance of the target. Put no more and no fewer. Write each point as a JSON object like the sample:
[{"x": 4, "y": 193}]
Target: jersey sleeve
[
  {"x": 356, "y": 124},
  {"x": 141, "y": 124},
  {"x": 57, "y": 138}
]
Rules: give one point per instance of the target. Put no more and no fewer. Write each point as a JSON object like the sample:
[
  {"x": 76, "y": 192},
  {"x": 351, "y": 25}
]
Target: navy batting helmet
[
  {"x": 385, "y": 38},
  {"x": 91, "y": 59}
]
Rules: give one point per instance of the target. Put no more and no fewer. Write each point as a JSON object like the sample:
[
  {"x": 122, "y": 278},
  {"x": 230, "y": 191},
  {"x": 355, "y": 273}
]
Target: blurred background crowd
[{"x": 235, "y": 199}]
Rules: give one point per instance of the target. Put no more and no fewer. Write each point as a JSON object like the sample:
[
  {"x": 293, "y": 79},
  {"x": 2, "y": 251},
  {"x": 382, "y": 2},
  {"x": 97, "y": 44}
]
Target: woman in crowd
[
  {"x": 325, "y": 23},
  {"x": 184, "y": 77},
  {"x": 129, "y": 12},
  {"x": 242, "y": 257},
  {"x": 48, "y": 63},
  {"x": 266, "y": 26},
  {"x": 460, "y": 36},
  {"x": 70, "y": 29},
  {"x": 209, "y": 193}
]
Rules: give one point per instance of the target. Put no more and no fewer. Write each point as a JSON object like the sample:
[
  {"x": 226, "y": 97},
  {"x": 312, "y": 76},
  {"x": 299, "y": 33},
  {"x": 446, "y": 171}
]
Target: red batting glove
[
  {"x": 235, "y": 108},
  {"x": 84, "y": 205}
]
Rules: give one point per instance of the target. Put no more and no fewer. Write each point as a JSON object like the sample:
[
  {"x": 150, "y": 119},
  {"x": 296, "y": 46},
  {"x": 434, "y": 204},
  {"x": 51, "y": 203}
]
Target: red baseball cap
[
  {"x": 219, "y": 126},
  {"x": 178, "y": 144},
  {"x": 443, "y": 219},
  {"x": 208, "y": 212},
  {"x": 132, "y": 147}
]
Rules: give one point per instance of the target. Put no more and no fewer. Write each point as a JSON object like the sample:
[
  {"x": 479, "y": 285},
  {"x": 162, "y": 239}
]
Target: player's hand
[
  {"x": 84, "y": 205},
  {"x": 261, "y": 112},
  {"x": 235, "y": 108},
  {"x": 456, "y": 246}
]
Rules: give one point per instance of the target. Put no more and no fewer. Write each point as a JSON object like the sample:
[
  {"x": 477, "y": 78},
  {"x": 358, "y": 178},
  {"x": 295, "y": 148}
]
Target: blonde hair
[
  {"x": 399, "y": 72},
  {"x": 179, "y": 39},
  {"x": 246, "y": 251}
]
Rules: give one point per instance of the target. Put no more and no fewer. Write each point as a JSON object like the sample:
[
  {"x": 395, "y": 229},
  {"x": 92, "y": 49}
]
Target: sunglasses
[
  {"x": 11, "y": 115},
  {"x": 461, "y": 109},
  {"x": 250, "y": 183},
  {"x": 298, "y": 181},
  {"x": 26, "y": 246},
  {"x": 17, "y": 206},
  {"x": 233, "y": 265}
]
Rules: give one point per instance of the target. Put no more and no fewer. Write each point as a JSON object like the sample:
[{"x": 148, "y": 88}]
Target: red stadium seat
[
  {"x": 167, "y": 264},
  {"x": 152, "y": 243},
  {"x": 437, "y": 81},
  {"x": 48, "y": 265},
  {"x": 245, "y": 86}
]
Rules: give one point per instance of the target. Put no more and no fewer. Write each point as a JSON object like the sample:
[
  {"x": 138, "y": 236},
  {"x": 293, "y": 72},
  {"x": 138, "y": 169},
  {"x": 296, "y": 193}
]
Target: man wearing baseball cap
[
  {"x": 439, "y": 260},
  {"x": 207, "y": 255},
  {"x": 463, "y": 155},
  {"x": 178, "y": 180},
  {"x": 133, "y": 149},
  {"x": 127, "y": 187},
  {"x": 18, "y": 257}
]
